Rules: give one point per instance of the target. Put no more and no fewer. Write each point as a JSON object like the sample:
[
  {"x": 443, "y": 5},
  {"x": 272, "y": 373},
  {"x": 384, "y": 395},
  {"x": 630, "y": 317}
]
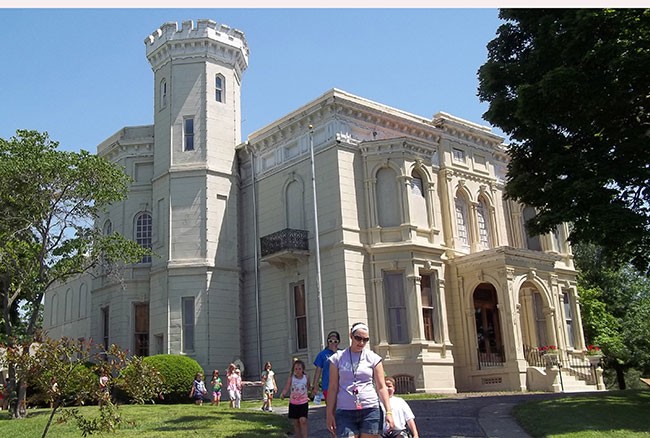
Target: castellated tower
[{"x": 197, "y": 125}]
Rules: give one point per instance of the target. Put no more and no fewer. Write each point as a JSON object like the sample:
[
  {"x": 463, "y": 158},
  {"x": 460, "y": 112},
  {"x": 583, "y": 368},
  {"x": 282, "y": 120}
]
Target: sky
[{"x": 82, "y": 74}]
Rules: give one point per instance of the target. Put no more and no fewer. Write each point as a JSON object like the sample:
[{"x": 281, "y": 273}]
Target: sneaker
[{"x": 270, "y": 409}]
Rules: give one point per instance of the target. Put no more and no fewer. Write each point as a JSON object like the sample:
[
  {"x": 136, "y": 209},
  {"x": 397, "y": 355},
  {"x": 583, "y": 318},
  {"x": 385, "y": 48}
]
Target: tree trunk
[{"x": 620, "y": 375}]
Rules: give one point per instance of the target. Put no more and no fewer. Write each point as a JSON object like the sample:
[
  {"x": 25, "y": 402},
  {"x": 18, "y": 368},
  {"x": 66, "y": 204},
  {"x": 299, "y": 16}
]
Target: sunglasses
[
  {"x": 332, "y": 341},
  {"x": 360, "y": 339}
]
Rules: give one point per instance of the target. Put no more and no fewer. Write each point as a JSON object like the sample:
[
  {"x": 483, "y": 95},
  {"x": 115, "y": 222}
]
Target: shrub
[
  {"x": 139, "y": 382},
  {"x": 177, "y": 373}
]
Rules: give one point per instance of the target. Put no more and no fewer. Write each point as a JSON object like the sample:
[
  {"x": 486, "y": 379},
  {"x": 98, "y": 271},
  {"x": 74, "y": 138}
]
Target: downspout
[{"x": 256, "y": 260}]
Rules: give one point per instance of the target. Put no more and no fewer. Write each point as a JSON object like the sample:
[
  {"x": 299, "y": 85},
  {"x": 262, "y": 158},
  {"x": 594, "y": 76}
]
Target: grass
[
  {"x": 148, "y": 421},
  {"x": 595, "y": 415}
]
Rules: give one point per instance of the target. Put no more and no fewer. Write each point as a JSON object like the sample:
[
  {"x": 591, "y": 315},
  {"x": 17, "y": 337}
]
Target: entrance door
[{"x": 488, "y": 328}]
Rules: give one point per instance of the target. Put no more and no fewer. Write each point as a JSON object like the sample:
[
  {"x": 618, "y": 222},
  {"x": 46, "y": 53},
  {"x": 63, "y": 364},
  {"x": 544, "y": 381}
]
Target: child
[
  {"x": 298, "y": 383},
  {"x": 402, "y": 415},
  {"x": 234, "y": 386},
  {"x": 198, "y": 389},
  {"x": 215, "y": 383},
  {"x": 104, "y": 391},
  {"x": 268, "y": 387}
]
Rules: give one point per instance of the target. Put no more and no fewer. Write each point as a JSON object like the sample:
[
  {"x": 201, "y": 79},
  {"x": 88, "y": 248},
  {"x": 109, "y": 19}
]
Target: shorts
[
  {"x": 216, "y": 394},
  {"x": 298, "y": 411},
  {"x": 354, "y": 422},
  {"x": 266, "y": 394}
]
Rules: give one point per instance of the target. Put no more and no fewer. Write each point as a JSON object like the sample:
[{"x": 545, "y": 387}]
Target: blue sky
[{"x": 82, "y": 74}]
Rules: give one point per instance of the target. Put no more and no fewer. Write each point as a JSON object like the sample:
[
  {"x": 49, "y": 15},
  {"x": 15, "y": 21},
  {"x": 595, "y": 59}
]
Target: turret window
[
  {"x": 188, "y": 134},
  {"x": 219, "y": 83}
]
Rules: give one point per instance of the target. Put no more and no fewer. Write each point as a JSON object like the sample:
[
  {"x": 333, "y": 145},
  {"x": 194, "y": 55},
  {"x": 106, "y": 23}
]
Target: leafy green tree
[
  {"x": 615, "y": 311},
  {"x": 49, "y": 201},
  {"x": 571, "y": 89}
]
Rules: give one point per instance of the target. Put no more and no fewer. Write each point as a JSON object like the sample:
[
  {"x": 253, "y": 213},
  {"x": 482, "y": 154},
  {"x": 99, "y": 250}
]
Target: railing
[
  {"x": 495, "y": 358},
  {"x": 574, "y": 365},
  {"x": 285, "y": 240}
]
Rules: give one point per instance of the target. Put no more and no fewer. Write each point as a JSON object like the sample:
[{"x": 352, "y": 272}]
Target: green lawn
[
  {"x": 595, "y": 415},
  {"x": 149, "y": 421}
]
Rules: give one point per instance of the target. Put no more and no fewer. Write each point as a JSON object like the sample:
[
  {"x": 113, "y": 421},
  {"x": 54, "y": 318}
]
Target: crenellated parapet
[{"x": 206, "y": 38}]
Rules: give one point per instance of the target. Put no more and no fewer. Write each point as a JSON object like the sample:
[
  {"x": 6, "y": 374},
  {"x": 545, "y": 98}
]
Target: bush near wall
[{"x": 178, "y": 374}]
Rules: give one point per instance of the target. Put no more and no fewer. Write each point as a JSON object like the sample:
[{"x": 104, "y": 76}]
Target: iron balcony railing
[{"x": 285, "y": 240}]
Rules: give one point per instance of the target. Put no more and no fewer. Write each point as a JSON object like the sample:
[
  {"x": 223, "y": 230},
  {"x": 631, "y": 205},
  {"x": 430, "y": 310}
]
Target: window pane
[
  {"x": 427, "y": 283},
  {"x": 188, "y": 324},
  {"x": 300, "y": 315},
  {"x": 141, "y": 329},
  {"x": 143, "y": 234},
  {"x": 394, "y": 295},
  {"x": 188, "y": 131}
]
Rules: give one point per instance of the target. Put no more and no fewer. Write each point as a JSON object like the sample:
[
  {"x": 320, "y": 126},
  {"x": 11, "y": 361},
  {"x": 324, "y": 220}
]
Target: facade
[{"x": 413, "y": 236}]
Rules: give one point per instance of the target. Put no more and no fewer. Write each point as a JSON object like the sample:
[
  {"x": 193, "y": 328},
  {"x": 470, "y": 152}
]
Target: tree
[
  {"x": 49, "y": 201},
  {"x": 571, "y": 89},
  {"x": 615, "y": 311},
  {"x": 67, "y": 372}
]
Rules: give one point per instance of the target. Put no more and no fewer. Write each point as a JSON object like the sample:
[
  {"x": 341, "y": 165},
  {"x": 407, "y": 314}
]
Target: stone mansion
[{"x": 404, "y": 226}]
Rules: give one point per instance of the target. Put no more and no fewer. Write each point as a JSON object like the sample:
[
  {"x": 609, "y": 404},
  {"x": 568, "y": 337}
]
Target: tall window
[
  {"x": 83, "y": 293},
  {"x": 143, "y": 233},
  {"x": 141, "y": 329},
  {"x": 483, "y": 218},
  {"x": 188, "y": 134},
  {"x": 428, "y": 298},
  {"x": 54, "y": 312},
  {"x": 568, "y": 315},
  {"x": 540, "y": 319},
  {"x": 68, "y": 305},
  {"x": 105, "y": 327},
  {"x": 532, "y": 242},
  {"x": 418, "y": 201},
  {"x": 396, "y": 306},
  {"x": 163, "y": 93},
  {"x": 188, "y": 324},
  {"x": 108, "y": 228},
  {"x": 388, "y": 212},
  {"x": 300, "y": 315},
  {"x": 219, "y": 82},
  {"x": 461, "y": 221}
]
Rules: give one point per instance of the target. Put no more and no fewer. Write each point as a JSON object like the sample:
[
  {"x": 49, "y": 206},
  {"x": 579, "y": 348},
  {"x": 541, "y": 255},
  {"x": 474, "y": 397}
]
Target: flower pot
[
  {"x": 594, "y": 360},
  {"x": 551, "y": 359}
]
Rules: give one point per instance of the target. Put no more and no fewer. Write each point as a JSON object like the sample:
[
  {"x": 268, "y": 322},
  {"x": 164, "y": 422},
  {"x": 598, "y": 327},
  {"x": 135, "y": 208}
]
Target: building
[{"x": 414, "y": 236}]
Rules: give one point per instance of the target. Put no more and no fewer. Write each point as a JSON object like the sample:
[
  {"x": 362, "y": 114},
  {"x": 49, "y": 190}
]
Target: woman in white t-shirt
[{"x": 352, "y": 399}]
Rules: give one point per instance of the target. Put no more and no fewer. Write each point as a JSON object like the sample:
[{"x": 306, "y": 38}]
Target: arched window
[
  {"x": 108, "y": 227},
  {"x": 83, "y": 291},
  {"x": 418, "y": 200},
  {"x": 484, "y": 226},
  {"x": 67, "y": 311},
  {"x": 163, "y": 93},
  {"x": 54, "y": 310},
  {"x": 461, "y": 221},
  {"x": 295, "y": 206},
  {"x": 219, "y": 88},
  {"x": 143, "y": 226},
  {"x": 388, "y": 212}
]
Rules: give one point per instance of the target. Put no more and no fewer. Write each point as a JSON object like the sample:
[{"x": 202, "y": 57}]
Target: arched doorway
[{"x": 488, "y": 327}]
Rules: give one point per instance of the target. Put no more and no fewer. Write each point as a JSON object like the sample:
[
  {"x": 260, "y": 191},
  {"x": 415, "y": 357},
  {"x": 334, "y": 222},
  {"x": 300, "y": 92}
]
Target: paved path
[{"x": 471, "y": 416}]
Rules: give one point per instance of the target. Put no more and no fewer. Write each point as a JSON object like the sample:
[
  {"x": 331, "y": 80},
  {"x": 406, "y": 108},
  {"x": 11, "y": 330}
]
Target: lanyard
[{"x": 354, "y": 369}]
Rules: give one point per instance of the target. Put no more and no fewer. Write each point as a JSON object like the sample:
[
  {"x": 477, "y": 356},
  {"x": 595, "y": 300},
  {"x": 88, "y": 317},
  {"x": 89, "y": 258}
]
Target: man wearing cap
[{"x": 322, "y": 364}]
